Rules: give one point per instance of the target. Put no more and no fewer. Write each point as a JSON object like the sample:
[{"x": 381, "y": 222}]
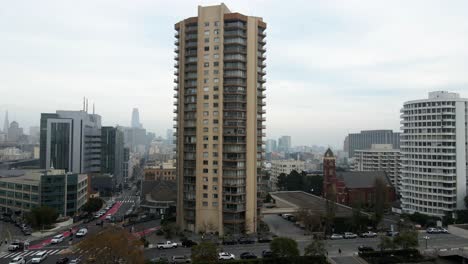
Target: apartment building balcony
[{"x": 234, "y": 25}]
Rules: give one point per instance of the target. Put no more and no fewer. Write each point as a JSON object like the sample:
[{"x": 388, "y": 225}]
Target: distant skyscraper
[
  {"x": 136, "y": 119},
  {"x": 6, "y": 123},
  {"x": 434, "y": 154},
  {"x": 284, "y": 143},
  {"x": 169, "y": 136},
  {"x": 270, "y": 145},
  {"x": 112, "y": 154},
  {"x": 220, "y": 83},
  {"x": 366, "y": 138},
  {"x": 71, "y": 140}
]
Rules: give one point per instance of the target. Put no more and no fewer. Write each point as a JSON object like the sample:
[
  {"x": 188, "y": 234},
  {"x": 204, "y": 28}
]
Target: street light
[{"x": 426, "y": 238}]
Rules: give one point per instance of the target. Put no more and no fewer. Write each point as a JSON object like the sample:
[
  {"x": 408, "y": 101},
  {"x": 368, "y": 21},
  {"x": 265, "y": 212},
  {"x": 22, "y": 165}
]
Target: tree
[
  {"x": 357, "y": 219},
  {"x": 92, "y": 205},
  {"x": 169, "y": 229},
  {"x": 407, "y": 239},
  {"x": 315, "y": 248},
  {"x": 310, "y": 221},
  {"x": 41, "y": 217},
  {"x": 466, "y": 201},
  {"x": 282, "y": 183},
  {"x": 205, "y": 252},
  {"x": 380, "y": 200},
  {"x": 284, "y": 247},
  {"x": 112, "y": 245}
]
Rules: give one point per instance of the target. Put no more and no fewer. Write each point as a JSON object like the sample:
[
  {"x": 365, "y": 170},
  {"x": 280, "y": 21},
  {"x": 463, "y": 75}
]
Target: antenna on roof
[
  {"x": 84, "y": 100},
  {"x": 93, "y": 108},
  {"x": 86, "y": 105}
]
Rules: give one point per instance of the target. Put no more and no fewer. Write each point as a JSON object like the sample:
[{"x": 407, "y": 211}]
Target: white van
[{"x": 39, "y": 257}]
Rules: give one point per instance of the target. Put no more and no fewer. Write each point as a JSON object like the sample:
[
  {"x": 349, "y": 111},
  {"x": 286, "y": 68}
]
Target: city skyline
[{"x": 120, "y": 56}]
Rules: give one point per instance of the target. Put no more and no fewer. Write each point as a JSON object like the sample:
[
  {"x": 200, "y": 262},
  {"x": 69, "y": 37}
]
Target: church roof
[{"x": 362, "y": 179}]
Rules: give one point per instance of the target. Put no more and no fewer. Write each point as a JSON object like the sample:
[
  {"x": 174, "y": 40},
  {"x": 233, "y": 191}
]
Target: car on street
[
  {"x": 349, "y": 235},
  {"x": 248, "y": 255},
  {"x": 160, "y": 259},
  {"x": 39, "y": 257},
  {"x": 27, "y": 231},
  {"x": 363, "y": 248},
  {"x": 368, "y": 234},
  {"x": 82, "y": 232},
  {"x": 16, "y": 245},
  {"x": 57, "y": 239},
  {"x": 267, "y": 254},
  {"x": 108, "y": 217},
  {"x": 180, "y": 259},
  {"x": 17, "y": 260},
  {"x": 166, "y": 245},
  {"x": 64, "y": 260},
  {"x": 75, "y": 261},
  {"x": 432, "y": 230},
  {"x": 336, "y": 236},
  {"x": 225, "y": 256},
  {"x": 188, "y": 243}
]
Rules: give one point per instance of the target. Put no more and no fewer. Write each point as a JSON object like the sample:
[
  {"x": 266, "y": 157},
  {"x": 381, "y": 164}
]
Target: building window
[
  {"x": 215, "y": 71},
  {"x": 206, "y": 56},
  {"x": 216, "y": 63},
  {"x": 206, "y": 105},
  {"x": 215, "y": 204},
  {"x": 215, "y": 97},
  {"x": 207, "y": 48},
  {"x": 216, "y": 39},
  {"x": 215, "y": 129},
  {"x": 207, "y": 32},
  {"x": 205, "y": 204},
  {"x": 205, "y": 146},
  {"x": 216, "y": 31},
  {"x": 215, "y": 196},
  {"x": 205, "y": 154},
  {"x": 205, "y": 170},
  {"x": 206, "y": 89},
  {"x": 206, "y": 72},
  {"x": 205, "y": 162},
  {"x": 215, "y": 121},
  {"x": 207, "y": 40},
  {"x": 215, "y": 187},
  {"x": 216, "y": 47},
  {"x": 215, "y": 138},
  {"x": 215, "y": 179},
  {"x": 206, "y": 97},
  {"x": 216, "y": 23},
  {"x": 215, "y": 162},
  {"x": 215, "y": 88},
  {"x": 215, "y": 171},
  {"x": 205, "y": 121},
  {"x": 205, "y": 187},
  {"x": 216, "y": 80},
  {"x": 206, "y": 64},
  {"x": 215, "y": 104},
  {"x": 205, "y": 80},
  {"x": 216, "y": 56},
  {"x": 205, "y": 195},
  {"x": 215, "y": 154},
  {"x": 205, "y": 113}
]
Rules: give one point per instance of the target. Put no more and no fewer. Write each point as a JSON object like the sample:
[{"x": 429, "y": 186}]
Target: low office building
[
  {"x": 159, "y": 196},
  {"x": 22, "y": 190},
  {"x": 380, "y": 157}
]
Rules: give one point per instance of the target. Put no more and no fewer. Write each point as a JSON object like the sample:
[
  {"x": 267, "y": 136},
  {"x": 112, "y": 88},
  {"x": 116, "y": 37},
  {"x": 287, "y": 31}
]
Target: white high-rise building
[{"x": 434, "y": 154}]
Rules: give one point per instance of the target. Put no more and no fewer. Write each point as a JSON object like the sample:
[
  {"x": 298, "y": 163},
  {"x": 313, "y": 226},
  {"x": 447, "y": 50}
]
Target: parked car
[
  {"x": 365, "y": 249},
  {"x": 267, "y": 254},
  {"x": 82, "y": 232},
  {"x": 39, "y": 257},
  {"x": 57, "y": 239},
  {"x": 108, "y": 217},
  {"x": 27, "y": 231},
  {"x": 180, "y": 259},
  {"x": 75, "y": 261},
  {"x": 264, "y": 239},
  {"x": 442, "y": 230},
  {"x": 17, "y": 260},
  {"x": 64, "y": 260},
  {"x": 246, "y": 240},
  {"x": 167, "y": 244},
  {"x": 225, "y": 256},
  {"x": 248, "y": 255},
  {"x": 368, "y": 234},
  {"x": 336, "y": 236},
  {"x": 188, "y": 243},
  {"x": 349, "y": 235},
  {"x": 229, "y": 241},
  {"x": 432, "y": 230},
  {"x": 161, "y": 259}
]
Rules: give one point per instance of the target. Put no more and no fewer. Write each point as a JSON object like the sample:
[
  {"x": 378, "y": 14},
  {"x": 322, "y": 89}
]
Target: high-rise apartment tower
[
  {"x": 220, "y": 109},
  {"x": 434, "y": 154}
]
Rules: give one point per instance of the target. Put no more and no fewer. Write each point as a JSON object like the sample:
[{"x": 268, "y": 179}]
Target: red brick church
[{"x": 352, "y": 187}]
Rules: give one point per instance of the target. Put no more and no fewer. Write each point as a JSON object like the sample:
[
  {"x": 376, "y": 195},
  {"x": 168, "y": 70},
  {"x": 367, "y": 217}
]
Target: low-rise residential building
[
  {"x": 22, "y": 190},
  {"x": 284, "y": 166},
  {"x": 380, "y": 157}
]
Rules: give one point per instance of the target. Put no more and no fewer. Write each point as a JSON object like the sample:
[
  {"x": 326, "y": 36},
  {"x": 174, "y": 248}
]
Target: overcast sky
[{"x": 333, "y": 67}]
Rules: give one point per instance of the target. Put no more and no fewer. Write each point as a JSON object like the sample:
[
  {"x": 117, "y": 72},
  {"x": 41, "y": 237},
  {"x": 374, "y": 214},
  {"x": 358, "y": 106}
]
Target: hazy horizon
[{"x": 333, "y": 67}]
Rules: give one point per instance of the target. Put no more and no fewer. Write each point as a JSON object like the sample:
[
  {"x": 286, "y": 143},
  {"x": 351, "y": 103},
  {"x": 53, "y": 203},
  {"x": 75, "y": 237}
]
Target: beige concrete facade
[{"x": 219, "y": 119}]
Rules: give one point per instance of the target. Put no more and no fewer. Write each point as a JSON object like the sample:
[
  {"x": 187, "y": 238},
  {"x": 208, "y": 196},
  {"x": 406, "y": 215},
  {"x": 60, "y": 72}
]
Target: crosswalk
[{"x": 29, "y": 253}]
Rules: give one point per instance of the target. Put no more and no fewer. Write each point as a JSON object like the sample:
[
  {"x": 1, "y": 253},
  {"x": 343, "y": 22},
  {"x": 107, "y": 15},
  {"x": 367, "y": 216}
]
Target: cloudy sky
[{"x": 333, "y": 67}]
